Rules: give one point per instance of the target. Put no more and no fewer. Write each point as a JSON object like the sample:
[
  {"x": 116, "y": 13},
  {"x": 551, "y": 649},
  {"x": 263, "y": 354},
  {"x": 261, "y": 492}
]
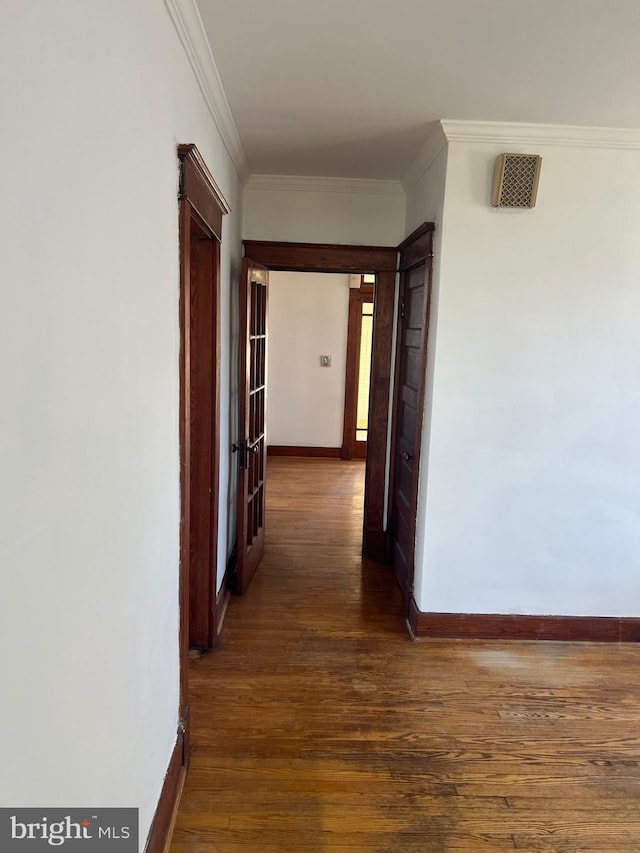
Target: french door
[{"x": 252, "y": 447}]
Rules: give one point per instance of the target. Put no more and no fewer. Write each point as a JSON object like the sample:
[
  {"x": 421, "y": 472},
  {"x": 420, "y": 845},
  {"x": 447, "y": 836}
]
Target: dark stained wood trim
[
  {"x": 359, "y": 450},
  {"x": 310, "y": 452},
  {"x": 417, "y": 246},
  {"x": 498, "y": 626},
  {"x": 354, "y": 327},
  {"x": 215, "y": 442},
  {"x": 197, "y": 185},
  {"x": 322, "y": 257},
  {"x": 205, "y": 435},
  {"x": 169, "y": 802},
  {"x": 375, "y": 519},
  {"x": 382, "y": 261},
  {"x": 378, "y": 546},
  {"x": 201, "y": 207},
  {"x": 185, "y": 448}
]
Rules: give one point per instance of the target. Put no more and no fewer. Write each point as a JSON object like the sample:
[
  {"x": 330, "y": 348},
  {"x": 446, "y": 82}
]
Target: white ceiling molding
[
  {"x": 188, "y": 23},
  {"x": 541, "y": 134},
  {"x": 436, "y": 140},
  {"x": 298, "y": 183}
]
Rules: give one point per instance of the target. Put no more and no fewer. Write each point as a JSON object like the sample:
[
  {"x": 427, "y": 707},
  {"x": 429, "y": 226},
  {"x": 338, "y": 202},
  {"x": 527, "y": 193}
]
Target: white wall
[
  {"x": 324, "y": 210},
  {"x": 95, "y": 97},
  {"x": 308, "y": 317},
  {"x": 533, "y": 503},
  {"x": 425, "y": 189}
]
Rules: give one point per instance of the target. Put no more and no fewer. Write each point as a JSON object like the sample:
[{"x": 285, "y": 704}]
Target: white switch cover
[{"x": 325, "y": 361}]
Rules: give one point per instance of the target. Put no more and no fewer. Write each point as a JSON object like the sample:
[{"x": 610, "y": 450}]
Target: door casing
[
  {"x": 380, "y": 260},
  {"x": 201, "y": 208},
  {"x": 351, "y": 448}
]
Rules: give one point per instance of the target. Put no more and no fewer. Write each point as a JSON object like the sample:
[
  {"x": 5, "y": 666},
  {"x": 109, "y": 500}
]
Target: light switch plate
[{"x": 325, "y": 361}]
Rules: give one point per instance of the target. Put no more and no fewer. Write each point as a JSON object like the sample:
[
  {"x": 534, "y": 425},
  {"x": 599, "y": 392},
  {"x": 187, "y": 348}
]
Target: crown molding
[
  {"x": 299, "y": 183},
  {"x": 436, "y": 141},
  {"x": 541, "y": 134},
  {"x": 188, "y": 24}
]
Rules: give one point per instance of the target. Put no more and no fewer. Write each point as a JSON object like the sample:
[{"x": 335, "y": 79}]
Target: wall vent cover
[{"x": 515, "y": 180}]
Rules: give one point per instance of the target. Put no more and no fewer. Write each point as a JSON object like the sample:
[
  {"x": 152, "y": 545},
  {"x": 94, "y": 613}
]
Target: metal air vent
[{"x": 515, "y": 180}]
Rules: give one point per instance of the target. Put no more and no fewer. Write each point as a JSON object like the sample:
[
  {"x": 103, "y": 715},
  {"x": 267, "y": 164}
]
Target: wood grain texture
[
  {"x": 379, "y": 402},
  {"x": 603, "y": 629},
  {"x": 197, "y": 185},
  {"x": 308, "y": 452},
  {"x": 203, "y": 541},
  {"x": 354, "y": 334},
  {"x": 409, "y": 399},
  {"x": 319, "y": 726},
  {"x": 417, "y": 247},
  {"x": 321, "y": 257},
  {"x": 185, "y": 447}
]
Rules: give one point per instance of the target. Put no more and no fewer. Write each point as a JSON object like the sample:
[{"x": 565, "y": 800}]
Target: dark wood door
[
  {"x": 252, "y": 447},
  {"x": 204, "y": 438},
  {"x": 413, "y": 319}
]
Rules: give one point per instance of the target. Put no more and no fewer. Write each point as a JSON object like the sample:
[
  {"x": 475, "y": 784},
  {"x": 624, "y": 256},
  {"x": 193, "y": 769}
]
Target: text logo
[{"x": 37, "y": 830}]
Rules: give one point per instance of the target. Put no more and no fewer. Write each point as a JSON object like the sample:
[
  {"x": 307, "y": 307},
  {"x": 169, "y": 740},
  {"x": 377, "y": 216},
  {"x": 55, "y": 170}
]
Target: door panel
[
  {"x": 413, "y": 320},
  {"x": 407, "y": 419},
  {"x": 202, "y": 430},
  {"x": 252, "y": 447}
]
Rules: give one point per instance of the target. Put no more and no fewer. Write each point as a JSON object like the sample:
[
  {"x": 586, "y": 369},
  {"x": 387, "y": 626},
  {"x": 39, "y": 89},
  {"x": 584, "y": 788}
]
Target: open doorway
[
  {"x": 308, "y": 363},
  {"x": 355, "y": 260}
]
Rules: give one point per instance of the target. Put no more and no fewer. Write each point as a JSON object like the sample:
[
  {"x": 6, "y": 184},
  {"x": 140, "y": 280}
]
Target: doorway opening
[
  {"x": 356, "y": 260},
  {"x": 308, "y": 363}
]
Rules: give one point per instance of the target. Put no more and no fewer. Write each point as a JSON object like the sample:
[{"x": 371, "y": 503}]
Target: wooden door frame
[
  {"x": 382, "y": 261},
  {"x": 351, "y": 448},
  {"x": 416, "y": 249},
  {"x": 201, "y": 208}
]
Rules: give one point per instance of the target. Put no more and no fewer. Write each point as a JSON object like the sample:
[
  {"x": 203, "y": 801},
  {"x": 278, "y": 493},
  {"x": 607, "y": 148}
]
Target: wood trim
[
  {"x": 375, "y": 519},
  {"x": 201, "y": 207},
  {"x": 161, "y": 829},
  {"x": 378, "y": 546},
  {"x": 197, "y": 185},
  {"x": 498, "y": 626},
  {"x": 321, "y": 257},
  {"x": 354, "y": 330},
  {"x": 359, "y": 450},
  {"x": 310, "y": 452},
  {"x": 185, "y": 447},
  {"x": 382, "y": 261},
  {"x": 416, "y": 245},
  {"x": 215, "y": 444}
]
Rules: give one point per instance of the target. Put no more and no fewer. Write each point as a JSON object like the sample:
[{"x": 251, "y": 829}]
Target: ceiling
[{"x": 349, "y": 88}]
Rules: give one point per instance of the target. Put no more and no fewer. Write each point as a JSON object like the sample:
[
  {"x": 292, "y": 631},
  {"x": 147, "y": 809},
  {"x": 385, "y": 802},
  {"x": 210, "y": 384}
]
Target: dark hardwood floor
[{"x": 319, "y": 726}]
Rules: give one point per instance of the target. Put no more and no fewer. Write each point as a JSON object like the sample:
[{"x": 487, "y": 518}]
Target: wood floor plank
[{"x": 319, "y": 726}]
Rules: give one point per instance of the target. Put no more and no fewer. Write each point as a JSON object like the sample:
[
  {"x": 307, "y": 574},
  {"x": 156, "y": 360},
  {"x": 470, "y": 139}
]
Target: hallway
[{"x": 317, "y": 725}]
